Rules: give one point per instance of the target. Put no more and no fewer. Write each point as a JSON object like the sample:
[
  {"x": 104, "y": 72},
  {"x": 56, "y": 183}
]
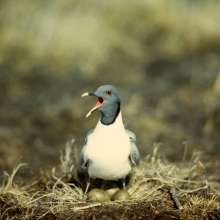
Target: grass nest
[{"x": 159, "y": 189}]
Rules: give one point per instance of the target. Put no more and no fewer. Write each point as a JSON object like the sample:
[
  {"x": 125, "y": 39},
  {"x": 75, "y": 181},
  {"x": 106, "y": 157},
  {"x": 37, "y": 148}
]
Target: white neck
[{"x": 116, "y": 128}]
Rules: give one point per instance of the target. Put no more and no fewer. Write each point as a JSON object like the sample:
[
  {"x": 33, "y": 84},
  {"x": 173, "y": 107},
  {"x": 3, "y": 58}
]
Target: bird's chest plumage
[
  {"x": 108, "y": 149},
  {"x": 114, "y": 147}
]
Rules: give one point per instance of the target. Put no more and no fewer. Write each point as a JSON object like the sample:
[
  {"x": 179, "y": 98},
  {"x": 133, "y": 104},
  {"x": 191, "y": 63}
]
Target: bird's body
[{"x": 109, "y": 150}]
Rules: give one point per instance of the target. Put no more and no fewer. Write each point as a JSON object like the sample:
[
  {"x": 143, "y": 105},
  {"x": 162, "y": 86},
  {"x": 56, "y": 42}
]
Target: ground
[{"x": 158, "y": 189}]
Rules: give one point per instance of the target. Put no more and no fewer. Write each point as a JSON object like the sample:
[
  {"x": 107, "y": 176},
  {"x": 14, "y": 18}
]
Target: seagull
[{"x": 109, "y": 150}]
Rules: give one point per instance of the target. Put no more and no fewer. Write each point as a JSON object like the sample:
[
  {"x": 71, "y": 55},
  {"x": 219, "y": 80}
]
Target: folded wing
[
  {"x": 134, "y": 155},
  {"x": 83, "y": 159}
]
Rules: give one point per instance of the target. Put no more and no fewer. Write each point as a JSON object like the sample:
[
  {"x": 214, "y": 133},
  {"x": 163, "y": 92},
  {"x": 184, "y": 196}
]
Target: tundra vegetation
[{"x": 163, "y": 56}]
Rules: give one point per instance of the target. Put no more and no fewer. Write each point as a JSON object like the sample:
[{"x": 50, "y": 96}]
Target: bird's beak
[
  {"x": 85, "y": 94},
  {"x": 98, "y": 104}
]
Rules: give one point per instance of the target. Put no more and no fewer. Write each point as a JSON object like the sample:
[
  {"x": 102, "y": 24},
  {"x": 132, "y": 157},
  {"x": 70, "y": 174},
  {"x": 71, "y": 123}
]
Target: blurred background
[{"x": 163, "y": 57}]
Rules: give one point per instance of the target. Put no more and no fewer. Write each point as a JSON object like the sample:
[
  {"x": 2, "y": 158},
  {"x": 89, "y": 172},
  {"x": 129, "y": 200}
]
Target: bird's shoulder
[
  {"x": 88, "y": 135},
  {"x": 131, "y": 135}
]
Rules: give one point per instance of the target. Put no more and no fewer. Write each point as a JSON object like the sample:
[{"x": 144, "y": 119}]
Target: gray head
[{"x": 108, "y": 103}]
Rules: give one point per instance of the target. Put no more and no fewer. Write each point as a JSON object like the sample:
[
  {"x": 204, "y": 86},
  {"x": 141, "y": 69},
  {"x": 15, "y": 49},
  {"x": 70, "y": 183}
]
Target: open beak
[{"x": 98, "y": 104}]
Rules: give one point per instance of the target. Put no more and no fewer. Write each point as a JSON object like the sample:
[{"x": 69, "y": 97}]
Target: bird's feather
[
  {"x": 83, "y": 159},
  {"x": 134, "y": 155}
]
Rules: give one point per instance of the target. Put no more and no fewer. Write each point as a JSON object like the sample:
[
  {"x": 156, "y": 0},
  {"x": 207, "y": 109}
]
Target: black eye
[{"x": 109, "y": 92}]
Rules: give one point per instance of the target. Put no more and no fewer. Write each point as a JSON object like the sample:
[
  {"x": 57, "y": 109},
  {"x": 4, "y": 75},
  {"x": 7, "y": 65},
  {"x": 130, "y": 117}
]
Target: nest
[{"x": 159, "y": 190}]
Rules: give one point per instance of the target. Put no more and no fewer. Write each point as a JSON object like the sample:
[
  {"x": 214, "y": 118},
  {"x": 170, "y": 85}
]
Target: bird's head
[{"x": 108, "y": 101}]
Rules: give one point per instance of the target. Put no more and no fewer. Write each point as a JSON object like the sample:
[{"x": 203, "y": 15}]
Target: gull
[{"x": 109, "y": 150}]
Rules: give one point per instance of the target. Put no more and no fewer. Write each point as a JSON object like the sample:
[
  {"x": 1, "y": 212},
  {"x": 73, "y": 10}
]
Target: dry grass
[{"x": 157, "y": 188}]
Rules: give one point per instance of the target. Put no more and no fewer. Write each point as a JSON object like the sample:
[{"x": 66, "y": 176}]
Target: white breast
[{"x": 108, "y": 149}]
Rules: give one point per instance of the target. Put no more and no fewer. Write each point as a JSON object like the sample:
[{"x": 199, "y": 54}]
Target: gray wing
[
  {"x": 134, "y": 155},
  {"x": 83, "y": 159}
]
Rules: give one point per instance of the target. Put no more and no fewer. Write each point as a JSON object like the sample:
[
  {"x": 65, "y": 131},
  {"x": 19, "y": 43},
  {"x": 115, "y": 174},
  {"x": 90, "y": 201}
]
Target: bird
[{"x": 109, "y": 150}]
